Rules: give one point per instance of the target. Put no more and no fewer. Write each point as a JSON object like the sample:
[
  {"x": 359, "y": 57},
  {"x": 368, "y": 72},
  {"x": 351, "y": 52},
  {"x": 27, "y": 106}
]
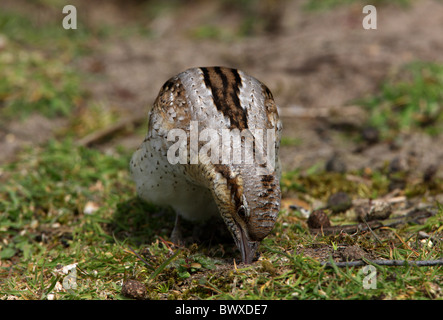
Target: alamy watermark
[
  {"x": 370, "y": 21},
  {"x": 70, "y": 20},
  {"x": 370, "y": 280},
  {"x": 223, "y": 146}
]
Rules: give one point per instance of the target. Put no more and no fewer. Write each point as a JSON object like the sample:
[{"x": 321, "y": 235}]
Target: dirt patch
[{"x": 33, "y": 130}]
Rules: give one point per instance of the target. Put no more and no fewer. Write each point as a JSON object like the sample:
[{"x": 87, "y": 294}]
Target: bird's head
[{"x": 252, "y": 211}]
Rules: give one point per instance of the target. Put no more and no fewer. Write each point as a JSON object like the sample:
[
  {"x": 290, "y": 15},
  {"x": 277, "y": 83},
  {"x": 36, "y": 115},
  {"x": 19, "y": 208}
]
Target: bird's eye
[{"x": 242, "y": 212}]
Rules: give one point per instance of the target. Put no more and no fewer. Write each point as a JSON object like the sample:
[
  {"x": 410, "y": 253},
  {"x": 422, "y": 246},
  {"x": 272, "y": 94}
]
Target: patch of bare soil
[{"x": 30, "y": 132}]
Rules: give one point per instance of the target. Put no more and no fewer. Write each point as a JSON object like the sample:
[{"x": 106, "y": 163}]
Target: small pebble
[
  {"x": 429, "y": 173},
  {"x": 397, "y": 165},
  {"x": 423, "y": 235},
  {"x": 318, "y": 219},
  {"x": 335, "y": 164},
  {"x": 134, "y": 289},
  {"x": 339, "y": 202},
  {"x": 196, "y": 265},
  {"x": 426, "y": 242},
  {"x": 353, "y": 253},
  {"x": 370, "y": 134},
  {"x": 374, "y": 210},
  {"x": 90, "y": 207}
]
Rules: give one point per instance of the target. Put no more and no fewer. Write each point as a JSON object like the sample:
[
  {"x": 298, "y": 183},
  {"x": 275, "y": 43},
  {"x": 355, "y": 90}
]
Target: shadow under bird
[{"x": 185, "y": 161}]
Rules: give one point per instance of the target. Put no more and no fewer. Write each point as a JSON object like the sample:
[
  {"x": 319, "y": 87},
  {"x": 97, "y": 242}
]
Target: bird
[{"x": 212, "y": 150}]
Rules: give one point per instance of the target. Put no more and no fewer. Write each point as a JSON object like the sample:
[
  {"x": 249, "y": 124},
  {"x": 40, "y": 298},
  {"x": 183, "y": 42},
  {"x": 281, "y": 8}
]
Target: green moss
[
  {"x": 410, "y": 100},
  {"x": 37, "y": 74}
]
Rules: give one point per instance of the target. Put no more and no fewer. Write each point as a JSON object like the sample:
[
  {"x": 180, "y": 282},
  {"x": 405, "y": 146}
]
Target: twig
[
  {"x": 375, "y": 224},
  {"x": 168, "y": 243},
  {"x": 349, "y": 228},
  {"x": 391, "y": 263},
  {"x": 101, "y": 134},
  {"x": 405, "y": 244},
  {"x": 373, "y": 233},
  {"x": 139, "y": 257},
  {"x": 411, "y": 216}
]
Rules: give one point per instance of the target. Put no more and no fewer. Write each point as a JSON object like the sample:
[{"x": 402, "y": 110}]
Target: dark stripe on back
[
  {"x": 267, "y": 92},
  {"x": 235, "y": 93},
  {"x": 222, "y": 76},
  {"x": 167, "y": 85},
  {"x": 206, "y": 78},
  {"x": 224, "y": 84},
  {"x": 236, "y": 77}
]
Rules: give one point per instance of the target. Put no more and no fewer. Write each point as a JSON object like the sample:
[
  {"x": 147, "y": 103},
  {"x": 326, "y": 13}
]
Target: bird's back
[{"x": 190, "y": 144}]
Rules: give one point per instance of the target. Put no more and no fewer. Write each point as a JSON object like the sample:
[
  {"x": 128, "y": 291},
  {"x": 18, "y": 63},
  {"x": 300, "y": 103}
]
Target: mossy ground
[{"x": 63, "y": 204}]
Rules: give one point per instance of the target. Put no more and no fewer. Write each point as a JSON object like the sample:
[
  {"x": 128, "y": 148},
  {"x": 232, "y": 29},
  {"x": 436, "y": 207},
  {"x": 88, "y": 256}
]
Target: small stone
[
  {"x": 318, "y": 219},
  {"x": 429, "y": 173},
  {"x": 374, "y": 210},
  {"x": 339, "y": 202},
  {"x": 90, "y": 207},
  {"x": 34, "y": 224},
  {"x": 196, "y": 265},
  {"x": 134, "y": 289},
  {"x": 426, "y": 242},
  {"x": 397, "y": 164},
  {"x": 335, "y": 164},
  {"x": 423, "y": 235},
  {"x": 370, "y": 134},
  {"x": 352, "y": 253}
]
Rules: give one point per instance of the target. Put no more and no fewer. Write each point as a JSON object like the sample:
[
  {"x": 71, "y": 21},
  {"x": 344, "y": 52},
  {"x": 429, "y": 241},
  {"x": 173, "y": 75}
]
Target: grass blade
[{"x": 163, "y": 265}]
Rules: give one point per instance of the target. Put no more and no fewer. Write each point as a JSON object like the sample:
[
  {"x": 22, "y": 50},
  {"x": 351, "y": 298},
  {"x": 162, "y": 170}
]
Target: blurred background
[{"x": 330, "y": 76}]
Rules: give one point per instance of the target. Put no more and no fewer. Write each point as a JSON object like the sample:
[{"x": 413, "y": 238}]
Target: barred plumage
[{"x": 192, "y": 112}]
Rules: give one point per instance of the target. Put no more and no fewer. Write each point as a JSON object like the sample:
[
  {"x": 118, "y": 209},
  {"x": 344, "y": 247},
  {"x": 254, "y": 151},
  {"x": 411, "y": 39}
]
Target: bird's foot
[{"x": 176, "y": 235}]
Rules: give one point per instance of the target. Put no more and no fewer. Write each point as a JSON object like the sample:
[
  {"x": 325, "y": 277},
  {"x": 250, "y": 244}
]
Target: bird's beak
[{"x": 247, "y": 247}]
